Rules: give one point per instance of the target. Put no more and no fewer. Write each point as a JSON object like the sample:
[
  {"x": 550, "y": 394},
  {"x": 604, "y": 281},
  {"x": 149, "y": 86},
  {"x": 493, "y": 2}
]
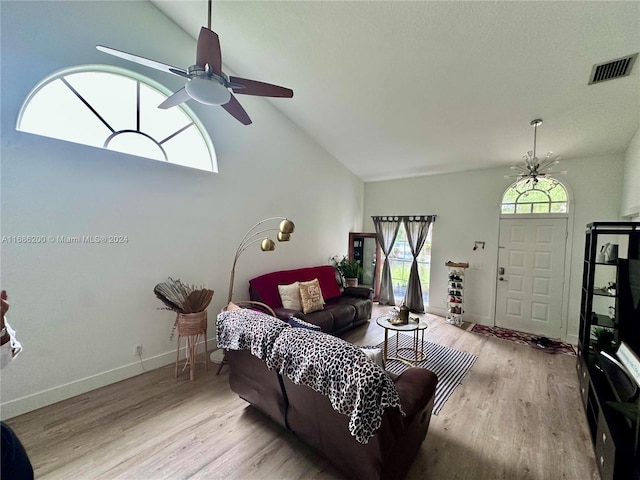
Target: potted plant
[{"x": 349, "y": 269}]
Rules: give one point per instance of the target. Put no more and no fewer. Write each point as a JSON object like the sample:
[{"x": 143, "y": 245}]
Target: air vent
[{"x": 620, "y": 67}]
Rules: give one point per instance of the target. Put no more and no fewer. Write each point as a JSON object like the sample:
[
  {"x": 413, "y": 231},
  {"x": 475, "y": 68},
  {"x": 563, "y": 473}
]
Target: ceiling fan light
[{"x": 208, "y": 92}]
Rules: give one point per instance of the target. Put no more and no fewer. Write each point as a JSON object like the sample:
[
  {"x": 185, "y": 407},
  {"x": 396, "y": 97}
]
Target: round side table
[{"x": 415, "y": 353}]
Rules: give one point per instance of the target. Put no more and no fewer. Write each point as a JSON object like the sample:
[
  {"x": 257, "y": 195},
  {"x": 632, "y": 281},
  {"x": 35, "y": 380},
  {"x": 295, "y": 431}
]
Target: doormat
[
  {"x": 535, "y": 341},
  {"x": 448, "y": 364}
]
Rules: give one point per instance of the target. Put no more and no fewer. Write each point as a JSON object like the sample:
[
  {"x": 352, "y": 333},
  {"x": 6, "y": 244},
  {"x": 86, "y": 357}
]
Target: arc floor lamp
[
  {"x": 253, "y": 236},
  {"x": 285, "y": 229}
]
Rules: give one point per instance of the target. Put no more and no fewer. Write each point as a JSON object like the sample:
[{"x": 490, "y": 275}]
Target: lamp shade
[
  {"x": 267, "y": 245},
  {"x": 208, "y": 92},
  {"x": 283, "y": 237},
  {"x": 287, "y": 226}
]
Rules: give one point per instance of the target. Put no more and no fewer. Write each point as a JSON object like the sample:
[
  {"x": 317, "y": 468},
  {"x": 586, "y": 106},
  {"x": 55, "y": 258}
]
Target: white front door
[{"x": 531, "y": 260}]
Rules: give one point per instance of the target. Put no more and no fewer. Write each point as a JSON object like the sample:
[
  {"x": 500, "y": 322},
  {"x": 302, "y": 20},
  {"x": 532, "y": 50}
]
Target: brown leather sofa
[
  {"x": 309, "y": 414},
  {"x": 344, "y": 309}
]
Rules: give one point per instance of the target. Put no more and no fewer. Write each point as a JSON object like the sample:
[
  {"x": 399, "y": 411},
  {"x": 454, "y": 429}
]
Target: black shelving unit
[{"x": 614, "y": 436}]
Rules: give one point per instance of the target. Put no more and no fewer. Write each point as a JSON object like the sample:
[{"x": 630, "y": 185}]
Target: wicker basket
[
  {"x": 192, "y": 326},
  {"x": 192, "y": 323}
]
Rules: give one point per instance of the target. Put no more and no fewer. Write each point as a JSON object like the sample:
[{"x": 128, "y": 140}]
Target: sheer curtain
[
  {"x": 386, "y": 230},
  {"x": 417, "y": 228}
]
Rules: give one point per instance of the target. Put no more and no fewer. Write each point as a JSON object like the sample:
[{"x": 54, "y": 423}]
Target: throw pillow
[
  {"x": 290, "y": 296},
  {"x": 375, "y": 355},
  {"x": 314, "y": 281},
  {"x": 311, "y": 296},
  {"x": 296, "y": 322},
  {"x": 232, "y": 306}
]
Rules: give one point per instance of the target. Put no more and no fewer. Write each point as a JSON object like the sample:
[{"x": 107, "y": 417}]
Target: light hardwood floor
[{"x": 517, "y": 415}]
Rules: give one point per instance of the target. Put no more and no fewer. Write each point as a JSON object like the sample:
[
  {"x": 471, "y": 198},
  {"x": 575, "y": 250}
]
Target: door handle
[{"x": 501, "y": 279}]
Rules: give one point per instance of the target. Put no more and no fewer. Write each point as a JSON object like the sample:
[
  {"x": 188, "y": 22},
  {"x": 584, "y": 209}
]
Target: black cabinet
[
  {"x": 609, "y": 315},
  {"x": 364, "y": 248}
]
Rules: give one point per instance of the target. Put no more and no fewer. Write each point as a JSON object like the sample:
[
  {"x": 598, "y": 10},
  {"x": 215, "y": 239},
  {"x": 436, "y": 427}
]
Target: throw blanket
[
  {"x": 245, "y": 329},
  {"x": 355, "y": 386}
]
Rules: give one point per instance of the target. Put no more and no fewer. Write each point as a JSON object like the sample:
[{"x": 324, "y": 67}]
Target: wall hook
[{"x": 477, "y": 244}]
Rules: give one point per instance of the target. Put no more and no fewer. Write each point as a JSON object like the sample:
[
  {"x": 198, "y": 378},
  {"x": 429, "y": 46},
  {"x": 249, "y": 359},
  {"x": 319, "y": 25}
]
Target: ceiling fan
[{"x": 206, "y": 82}]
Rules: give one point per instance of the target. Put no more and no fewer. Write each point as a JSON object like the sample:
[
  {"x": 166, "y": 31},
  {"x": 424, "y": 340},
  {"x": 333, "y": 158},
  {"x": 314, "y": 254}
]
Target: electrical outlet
[{"x": 137, "y": 350}]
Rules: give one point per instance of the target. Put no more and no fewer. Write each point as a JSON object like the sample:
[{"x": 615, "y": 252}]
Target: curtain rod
[{"x": 410, "y": 218}]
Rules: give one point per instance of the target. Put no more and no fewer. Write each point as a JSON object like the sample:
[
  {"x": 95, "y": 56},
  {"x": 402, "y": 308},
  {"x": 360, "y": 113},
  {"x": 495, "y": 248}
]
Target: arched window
[
  {"x": 116, "y": 109},
  {"x": 548, "y": 195}
]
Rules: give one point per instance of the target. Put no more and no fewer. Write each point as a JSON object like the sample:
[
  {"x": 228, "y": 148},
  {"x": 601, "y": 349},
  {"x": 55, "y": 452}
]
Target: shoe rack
[{"x": 455, "y": 292}]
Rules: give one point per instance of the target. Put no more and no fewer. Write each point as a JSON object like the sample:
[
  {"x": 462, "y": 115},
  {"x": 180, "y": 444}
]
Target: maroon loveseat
[{"x": 344, "y": 308}]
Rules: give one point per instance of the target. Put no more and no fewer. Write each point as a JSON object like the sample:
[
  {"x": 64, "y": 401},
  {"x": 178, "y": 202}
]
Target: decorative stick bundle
[
  {"x": 183, "y": 298},
  {"x": 190, "y": 304}
]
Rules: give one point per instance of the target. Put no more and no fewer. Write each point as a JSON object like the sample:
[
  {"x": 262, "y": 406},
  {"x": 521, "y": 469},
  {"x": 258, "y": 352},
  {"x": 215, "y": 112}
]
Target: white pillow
[
  {"x": 290, "y": 296},
  {"x": 375, "y": 355}
]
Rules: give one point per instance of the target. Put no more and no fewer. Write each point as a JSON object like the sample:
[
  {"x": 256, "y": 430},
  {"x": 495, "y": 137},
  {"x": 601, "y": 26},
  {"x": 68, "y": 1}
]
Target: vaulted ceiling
[{"x": 399, "y": 89}]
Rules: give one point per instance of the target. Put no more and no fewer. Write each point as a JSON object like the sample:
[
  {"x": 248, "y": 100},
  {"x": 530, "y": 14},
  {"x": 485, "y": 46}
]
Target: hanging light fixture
[{"x": 534, "y": 168}]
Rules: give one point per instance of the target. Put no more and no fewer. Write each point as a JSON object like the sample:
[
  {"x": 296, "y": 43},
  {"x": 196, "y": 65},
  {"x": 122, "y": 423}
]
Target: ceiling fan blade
[
  {"x": 144, "y": 61},
  {"x": 208, "y": 50},
  {"x": 235, "y": 109},
  {"x": 253, "y": 87},
  {"x": 177, "y": 98}
]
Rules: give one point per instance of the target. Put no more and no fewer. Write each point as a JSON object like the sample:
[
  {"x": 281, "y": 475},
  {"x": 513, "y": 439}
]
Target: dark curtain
[
  {"x": 386, "y": 230},
  {"x": 417, "y": 229}
]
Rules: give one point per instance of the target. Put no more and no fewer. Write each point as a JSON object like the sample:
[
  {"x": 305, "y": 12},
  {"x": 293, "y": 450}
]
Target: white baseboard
[
  {"x": 435, "y": 311},
  {"x": 34, "y": 401}
]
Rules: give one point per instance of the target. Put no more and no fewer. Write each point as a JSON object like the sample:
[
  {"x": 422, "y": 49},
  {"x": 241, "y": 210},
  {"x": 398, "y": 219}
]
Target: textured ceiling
[{"x": 399, "y": 89}]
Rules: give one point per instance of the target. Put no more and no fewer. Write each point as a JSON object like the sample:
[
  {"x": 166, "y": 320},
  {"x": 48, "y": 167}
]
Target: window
[
  {"x": 400, "y": 260},
  {"x": 116, "y": 109},
  {"x": 548, "y": 195}
]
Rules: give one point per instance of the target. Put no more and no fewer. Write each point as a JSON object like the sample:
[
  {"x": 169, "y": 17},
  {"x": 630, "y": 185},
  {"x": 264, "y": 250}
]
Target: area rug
[
  {"x": 553, "y": 346},
  {"x": 448, "y": 364}
]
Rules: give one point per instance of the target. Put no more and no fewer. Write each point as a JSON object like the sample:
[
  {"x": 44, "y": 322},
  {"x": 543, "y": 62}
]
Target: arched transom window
[
  {"x": 116, "y": 109},
  {"x": 548, "y": 195}
]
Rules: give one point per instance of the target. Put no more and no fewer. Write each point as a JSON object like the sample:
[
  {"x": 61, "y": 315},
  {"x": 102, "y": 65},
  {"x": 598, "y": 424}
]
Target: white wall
[
  {"x": 630, "y": 209},
  {"x": 467, "y": 205},
  {"x": 79, "y": 309}
]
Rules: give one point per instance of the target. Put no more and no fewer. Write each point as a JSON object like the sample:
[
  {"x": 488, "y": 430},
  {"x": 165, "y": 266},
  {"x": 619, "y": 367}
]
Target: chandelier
[{"x": 533, "y": 168}]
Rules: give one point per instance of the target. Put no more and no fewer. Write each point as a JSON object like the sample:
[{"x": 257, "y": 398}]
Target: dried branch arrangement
[{"x": 183, "y": 298}]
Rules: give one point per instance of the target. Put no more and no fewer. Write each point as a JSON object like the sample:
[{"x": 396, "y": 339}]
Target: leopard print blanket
[
  {"x": 248, "y": 330},
  {"x": 332, "y": 367},
  {"x": 356, "y": 386}
]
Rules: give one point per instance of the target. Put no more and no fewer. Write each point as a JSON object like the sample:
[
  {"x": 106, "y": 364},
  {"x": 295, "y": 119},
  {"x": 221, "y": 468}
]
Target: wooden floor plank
[{"x": 517, "y": 415}]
